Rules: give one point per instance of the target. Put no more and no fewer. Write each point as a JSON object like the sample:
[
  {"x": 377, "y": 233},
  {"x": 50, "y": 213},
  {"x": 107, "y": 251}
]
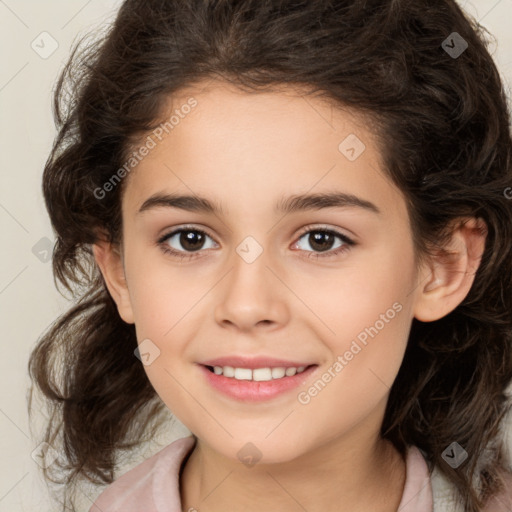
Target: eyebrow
[{"x": 295, "y": 203}]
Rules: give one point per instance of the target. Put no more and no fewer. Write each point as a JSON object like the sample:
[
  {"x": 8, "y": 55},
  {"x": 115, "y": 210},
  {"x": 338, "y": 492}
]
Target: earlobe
[
  {"x": 449, "y": 278},
  {"x": 109, "y": 260}
]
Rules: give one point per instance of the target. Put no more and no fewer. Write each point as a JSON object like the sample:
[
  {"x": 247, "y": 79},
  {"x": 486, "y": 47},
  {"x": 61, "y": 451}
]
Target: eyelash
[{"x": 348, "y": 242}]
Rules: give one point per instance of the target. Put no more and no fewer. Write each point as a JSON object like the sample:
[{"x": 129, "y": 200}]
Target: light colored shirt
[{"x": 153, "y": 486}]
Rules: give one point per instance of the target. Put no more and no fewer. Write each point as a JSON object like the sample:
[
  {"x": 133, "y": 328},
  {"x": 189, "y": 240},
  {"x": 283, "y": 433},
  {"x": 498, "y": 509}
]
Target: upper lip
[{"x": 253, "y": 362}]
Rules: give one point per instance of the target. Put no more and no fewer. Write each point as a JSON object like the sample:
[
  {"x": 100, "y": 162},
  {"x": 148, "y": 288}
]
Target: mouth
[
  {"x": 256, "y": 384},
  {"x": 258, "y": 374}
]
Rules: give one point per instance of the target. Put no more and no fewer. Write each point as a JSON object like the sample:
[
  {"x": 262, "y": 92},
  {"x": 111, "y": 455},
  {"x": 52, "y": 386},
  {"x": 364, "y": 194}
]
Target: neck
[{"x": 340, "y": 475}]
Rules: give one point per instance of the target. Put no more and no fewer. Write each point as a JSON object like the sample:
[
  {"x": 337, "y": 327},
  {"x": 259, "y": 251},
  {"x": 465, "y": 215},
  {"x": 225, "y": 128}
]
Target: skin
[{"x": 246, "y": 152}]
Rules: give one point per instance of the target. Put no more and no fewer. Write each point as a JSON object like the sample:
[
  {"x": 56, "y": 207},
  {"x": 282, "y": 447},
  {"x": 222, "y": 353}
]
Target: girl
[{"x": 289, "y": 223}]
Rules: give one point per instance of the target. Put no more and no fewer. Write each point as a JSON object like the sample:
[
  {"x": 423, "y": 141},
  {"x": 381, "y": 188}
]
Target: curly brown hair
[{"x": 448, "y": 119}]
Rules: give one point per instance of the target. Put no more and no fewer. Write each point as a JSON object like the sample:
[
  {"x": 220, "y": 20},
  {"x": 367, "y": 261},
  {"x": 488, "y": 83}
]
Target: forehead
[{"x": 231, "y": 145}]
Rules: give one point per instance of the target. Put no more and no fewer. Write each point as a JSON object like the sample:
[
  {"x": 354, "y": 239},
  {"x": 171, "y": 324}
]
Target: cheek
[
  {"x": 357, "y": 380},
  {"x": 162, "y": 294},
  {"x": 368, "y": 289},
  {"x": 365, "y": 313}
]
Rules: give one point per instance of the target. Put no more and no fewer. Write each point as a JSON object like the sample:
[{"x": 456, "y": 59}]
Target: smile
[
  {"x": 256, "y": 374},
  {"x": 255, "y": 384}
]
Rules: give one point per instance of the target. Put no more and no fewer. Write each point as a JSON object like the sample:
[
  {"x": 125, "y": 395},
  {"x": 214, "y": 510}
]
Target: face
[{"x": 326, "y": 285}]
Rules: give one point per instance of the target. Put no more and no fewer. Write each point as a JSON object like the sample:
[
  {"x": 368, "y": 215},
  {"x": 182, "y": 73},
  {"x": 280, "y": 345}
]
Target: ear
[
  {"x": 451, "y": 274},
  {"x": 110, "y": 261}
]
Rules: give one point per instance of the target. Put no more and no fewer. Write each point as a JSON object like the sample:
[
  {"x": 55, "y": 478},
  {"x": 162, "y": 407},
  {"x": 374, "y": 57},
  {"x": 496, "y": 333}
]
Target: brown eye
[
  {"x": 322, "y": 240},
  {"x": 184, "y": 240},
  {"x": 191, "y": 240}
]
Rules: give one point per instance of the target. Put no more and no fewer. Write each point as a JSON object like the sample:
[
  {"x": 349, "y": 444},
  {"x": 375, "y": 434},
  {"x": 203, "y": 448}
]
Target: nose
[{"x": 252, "y": 294}]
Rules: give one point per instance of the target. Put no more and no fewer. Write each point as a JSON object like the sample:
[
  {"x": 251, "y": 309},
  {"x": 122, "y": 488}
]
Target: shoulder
[
  {"x": 503, "y": 501},
  {"x": 151, "y": 482},
  {"x": 417, "y": 492},
  {"x": 446, "y": 498}
]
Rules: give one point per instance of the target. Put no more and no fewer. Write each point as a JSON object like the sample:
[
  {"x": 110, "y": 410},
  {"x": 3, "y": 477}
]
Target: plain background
[{"x": 36, "y": 38}]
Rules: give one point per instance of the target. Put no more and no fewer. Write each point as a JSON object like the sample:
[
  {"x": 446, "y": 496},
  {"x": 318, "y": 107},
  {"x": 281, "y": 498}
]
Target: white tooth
[
  {"x": 258, "y": 374},
  {"x": 228, "y": 371},
  {"x": 262, "y": 374},
  {"x": 243, "y": 374},
  {"x": 278, "y": 373}
]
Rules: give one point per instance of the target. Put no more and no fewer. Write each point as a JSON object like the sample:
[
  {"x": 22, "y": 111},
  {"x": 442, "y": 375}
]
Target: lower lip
[{"x": 255, "y": 391}]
